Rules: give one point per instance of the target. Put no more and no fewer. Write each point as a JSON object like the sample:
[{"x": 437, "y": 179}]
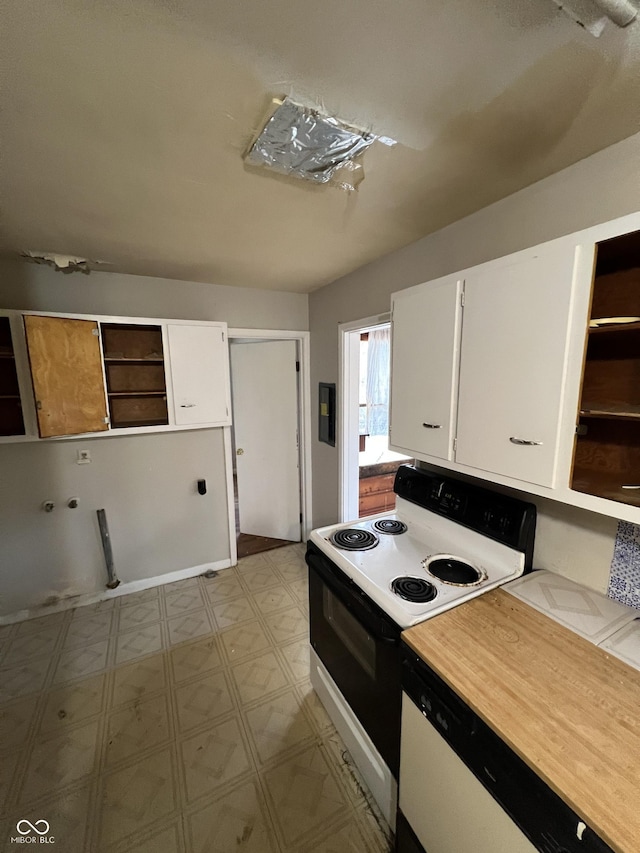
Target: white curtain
[{"x": 378, "y": 374}]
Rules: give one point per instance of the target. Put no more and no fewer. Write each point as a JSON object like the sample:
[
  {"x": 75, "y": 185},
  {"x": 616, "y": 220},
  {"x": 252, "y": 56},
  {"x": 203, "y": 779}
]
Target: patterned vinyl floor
[{"x": 178, "y": 720}]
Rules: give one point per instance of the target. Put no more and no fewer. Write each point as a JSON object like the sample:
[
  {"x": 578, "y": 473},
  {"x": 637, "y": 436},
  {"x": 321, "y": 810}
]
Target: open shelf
[
  {"x": 134, "y": 367},
  {"x": 597, "y": 410},
  {"x": 605, "y": 486},
  {"x": 607, "y": 447},
  {"x": 138, "y": 410},
  {"x": 149, "y": 360},
  {"x": 11, "y": 419},
  {"x": 137, "y": 393},
  {"x": 614, "y": 328},
  {"x": 136, "y": 423}
]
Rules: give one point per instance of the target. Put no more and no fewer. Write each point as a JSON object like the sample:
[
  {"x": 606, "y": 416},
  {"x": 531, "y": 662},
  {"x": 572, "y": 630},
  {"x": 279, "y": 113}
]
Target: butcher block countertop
[{"x": 566, "y": 707}]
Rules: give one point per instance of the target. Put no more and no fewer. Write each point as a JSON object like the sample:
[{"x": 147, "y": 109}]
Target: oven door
[{"x": 360, "y": 647}]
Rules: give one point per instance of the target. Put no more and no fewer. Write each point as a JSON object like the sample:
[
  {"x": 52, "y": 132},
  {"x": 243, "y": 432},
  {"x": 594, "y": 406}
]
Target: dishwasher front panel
[{"x": 449, "y": 810}]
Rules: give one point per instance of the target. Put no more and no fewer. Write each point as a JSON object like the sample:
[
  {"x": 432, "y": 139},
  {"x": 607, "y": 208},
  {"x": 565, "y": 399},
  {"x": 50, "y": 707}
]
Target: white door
[
  {"x": 200, "y": 374},
  {"x": 264, "y": 383},
  {"x": 424, "y": 367},
  {"x": 512, "y": 368}
]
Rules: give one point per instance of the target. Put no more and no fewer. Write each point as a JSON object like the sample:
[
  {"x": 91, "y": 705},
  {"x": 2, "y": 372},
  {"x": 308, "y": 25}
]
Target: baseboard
[{"x": 72, "y": 601}]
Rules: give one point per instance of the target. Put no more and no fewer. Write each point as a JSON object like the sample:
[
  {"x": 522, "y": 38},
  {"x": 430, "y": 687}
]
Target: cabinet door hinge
[
  {"x": 223, "y": 337},
  {"x": 297, "y": 367},
  {"x": 300, "y": 518},
  {"x": 455, "y": 444},
  {"x": 107, "y": 420},
  {"x": 462, "y": 297}
]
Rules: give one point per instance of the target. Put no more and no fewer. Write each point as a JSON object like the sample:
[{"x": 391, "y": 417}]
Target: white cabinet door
[
  {"x": 199, "y": 363},
  {"x": 425, "y": 350},
  {"x": 513, "y": 364}
]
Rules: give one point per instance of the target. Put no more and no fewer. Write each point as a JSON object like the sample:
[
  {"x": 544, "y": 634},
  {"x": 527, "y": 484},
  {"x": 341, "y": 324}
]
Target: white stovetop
[
  {"x": 606, "y": 623},
  {"x": 397, "y": 556}
]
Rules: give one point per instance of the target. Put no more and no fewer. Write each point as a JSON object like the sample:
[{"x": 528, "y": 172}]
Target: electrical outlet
[{"x": 83, "y": 457}]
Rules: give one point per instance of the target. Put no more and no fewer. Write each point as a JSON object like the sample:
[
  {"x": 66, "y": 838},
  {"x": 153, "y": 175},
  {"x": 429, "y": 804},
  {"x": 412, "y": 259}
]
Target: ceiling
[{"x": 124, "y": 125}]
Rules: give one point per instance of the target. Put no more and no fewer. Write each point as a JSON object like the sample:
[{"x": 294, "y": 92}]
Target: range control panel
[{"x": 505, "y": 519}]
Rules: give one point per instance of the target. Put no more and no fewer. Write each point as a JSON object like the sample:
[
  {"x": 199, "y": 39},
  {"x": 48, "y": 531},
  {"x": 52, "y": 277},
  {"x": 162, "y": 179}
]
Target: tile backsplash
[{"x": 624, "y": 577}]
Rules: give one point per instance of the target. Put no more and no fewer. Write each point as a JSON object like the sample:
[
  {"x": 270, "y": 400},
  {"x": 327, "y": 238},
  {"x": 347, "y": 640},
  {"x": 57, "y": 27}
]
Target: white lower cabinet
[
  {"x": 512, "y": 368},
  {"x": 426, "y": 335}
]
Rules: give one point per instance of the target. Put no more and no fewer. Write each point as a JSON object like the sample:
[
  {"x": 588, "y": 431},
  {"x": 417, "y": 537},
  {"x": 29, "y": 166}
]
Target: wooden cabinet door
[
  {"x": 199, "y": 362},
  {"x": 513, "y": 362},
  {"x": 66, "y": 369},
  {"x": 425, "y": 349}
]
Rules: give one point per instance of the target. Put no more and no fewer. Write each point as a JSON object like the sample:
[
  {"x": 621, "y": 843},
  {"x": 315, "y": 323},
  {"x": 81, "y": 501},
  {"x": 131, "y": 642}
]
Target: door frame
[
  {"x": 304, "y": 419},
  {"x": 349, "y": 373}
]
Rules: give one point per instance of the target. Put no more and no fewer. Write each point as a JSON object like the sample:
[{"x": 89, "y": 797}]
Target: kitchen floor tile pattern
[{"x": 179, "y": 719}]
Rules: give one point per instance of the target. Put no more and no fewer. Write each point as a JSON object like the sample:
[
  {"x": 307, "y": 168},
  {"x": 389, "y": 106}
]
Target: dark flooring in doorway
[{"x": 248, "y": 544}]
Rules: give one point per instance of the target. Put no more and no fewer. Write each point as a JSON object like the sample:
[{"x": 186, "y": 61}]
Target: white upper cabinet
[
  {"x": 513, "y": 360},
  {"x": 530, "y": 384},
  {"x": 425, "y": 350},
  {"x": 96, "y": 376},
  {"x": 199, "y": 361}
]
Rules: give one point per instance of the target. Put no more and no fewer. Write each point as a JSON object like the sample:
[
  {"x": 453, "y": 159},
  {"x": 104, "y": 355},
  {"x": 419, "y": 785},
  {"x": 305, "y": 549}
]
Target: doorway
[
  {"x": 269, "y": 438},
  {"x": 368, "y": 466}
]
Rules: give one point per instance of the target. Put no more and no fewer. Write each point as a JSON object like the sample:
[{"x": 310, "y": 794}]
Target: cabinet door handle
[
  {"x": 524, "y": 441},
  {"x": 432, "y": 426},
  {"x": 630, "y": 487},
  {"x": 187, "y": 405}
]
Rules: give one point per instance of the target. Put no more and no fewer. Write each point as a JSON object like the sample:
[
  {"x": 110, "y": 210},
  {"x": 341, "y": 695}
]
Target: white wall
[
  {"x": 147, "y": 483},
  {"x": 595, "y": 190},
  {"x": 158, "y": 522},
  {"x": 40, "y": 288}
]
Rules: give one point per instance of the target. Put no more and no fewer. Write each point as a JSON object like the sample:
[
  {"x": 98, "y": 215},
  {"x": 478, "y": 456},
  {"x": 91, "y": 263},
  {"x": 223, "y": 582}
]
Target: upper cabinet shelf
[
  {"x": 134, "y": 365},
  {"x": 614, "y": 328},
  {"x": 95, "y": 375},
  {"x": 109, "y": 360},
  {"x": 11, "y": 419},
  {"x": 607, "y": 446}
]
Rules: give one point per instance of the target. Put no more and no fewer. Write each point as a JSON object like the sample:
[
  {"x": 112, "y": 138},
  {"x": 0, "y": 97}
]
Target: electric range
[{"x": 446, "y": 542}]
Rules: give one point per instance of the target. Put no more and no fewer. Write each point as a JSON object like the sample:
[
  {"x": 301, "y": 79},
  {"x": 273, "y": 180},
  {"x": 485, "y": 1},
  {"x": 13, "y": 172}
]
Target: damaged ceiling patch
[
  {"x": 62, "y": 263},
  {"x": 303, "y": 142}
]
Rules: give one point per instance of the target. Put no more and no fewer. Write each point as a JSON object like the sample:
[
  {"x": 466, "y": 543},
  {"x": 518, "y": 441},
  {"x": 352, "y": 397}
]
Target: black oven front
[{"x": 360, "y": 647}]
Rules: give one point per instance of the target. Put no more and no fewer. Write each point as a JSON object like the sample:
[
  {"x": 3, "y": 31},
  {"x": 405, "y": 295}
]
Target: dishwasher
[{"x": 463, "y": 790}]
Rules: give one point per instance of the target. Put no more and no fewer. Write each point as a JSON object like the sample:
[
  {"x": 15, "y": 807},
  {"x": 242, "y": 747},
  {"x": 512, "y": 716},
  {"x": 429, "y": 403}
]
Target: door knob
[{"x": 239, "y": 451}]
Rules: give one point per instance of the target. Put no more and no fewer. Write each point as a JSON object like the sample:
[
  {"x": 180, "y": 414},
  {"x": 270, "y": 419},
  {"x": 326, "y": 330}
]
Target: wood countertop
[{"x": 567, "y": 708}]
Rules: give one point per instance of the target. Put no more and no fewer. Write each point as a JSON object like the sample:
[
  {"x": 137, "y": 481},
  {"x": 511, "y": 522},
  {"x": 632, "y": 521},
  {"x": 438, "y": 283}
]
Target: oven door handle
[{"x": 352, "y": 597}]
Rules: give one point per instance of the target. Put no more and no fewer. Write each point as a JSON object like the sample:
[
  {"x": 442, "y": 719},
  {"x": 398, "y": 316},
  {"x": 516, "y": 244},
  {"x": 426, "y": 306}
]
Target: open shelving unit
[
  {"x": 11, "y": 420},
  {"x": 607, "y": 450},
  {"x": 134, "y": 368}
]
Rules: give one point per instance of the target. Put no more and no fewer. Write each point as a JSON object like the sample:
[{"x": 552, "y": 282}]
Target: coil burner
[
  {"x": 452, "y": 570},
  {"x": 354, "y": 539},
  {"x": 414, "y": 589},
  {"x": 389, "y": 525}
]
